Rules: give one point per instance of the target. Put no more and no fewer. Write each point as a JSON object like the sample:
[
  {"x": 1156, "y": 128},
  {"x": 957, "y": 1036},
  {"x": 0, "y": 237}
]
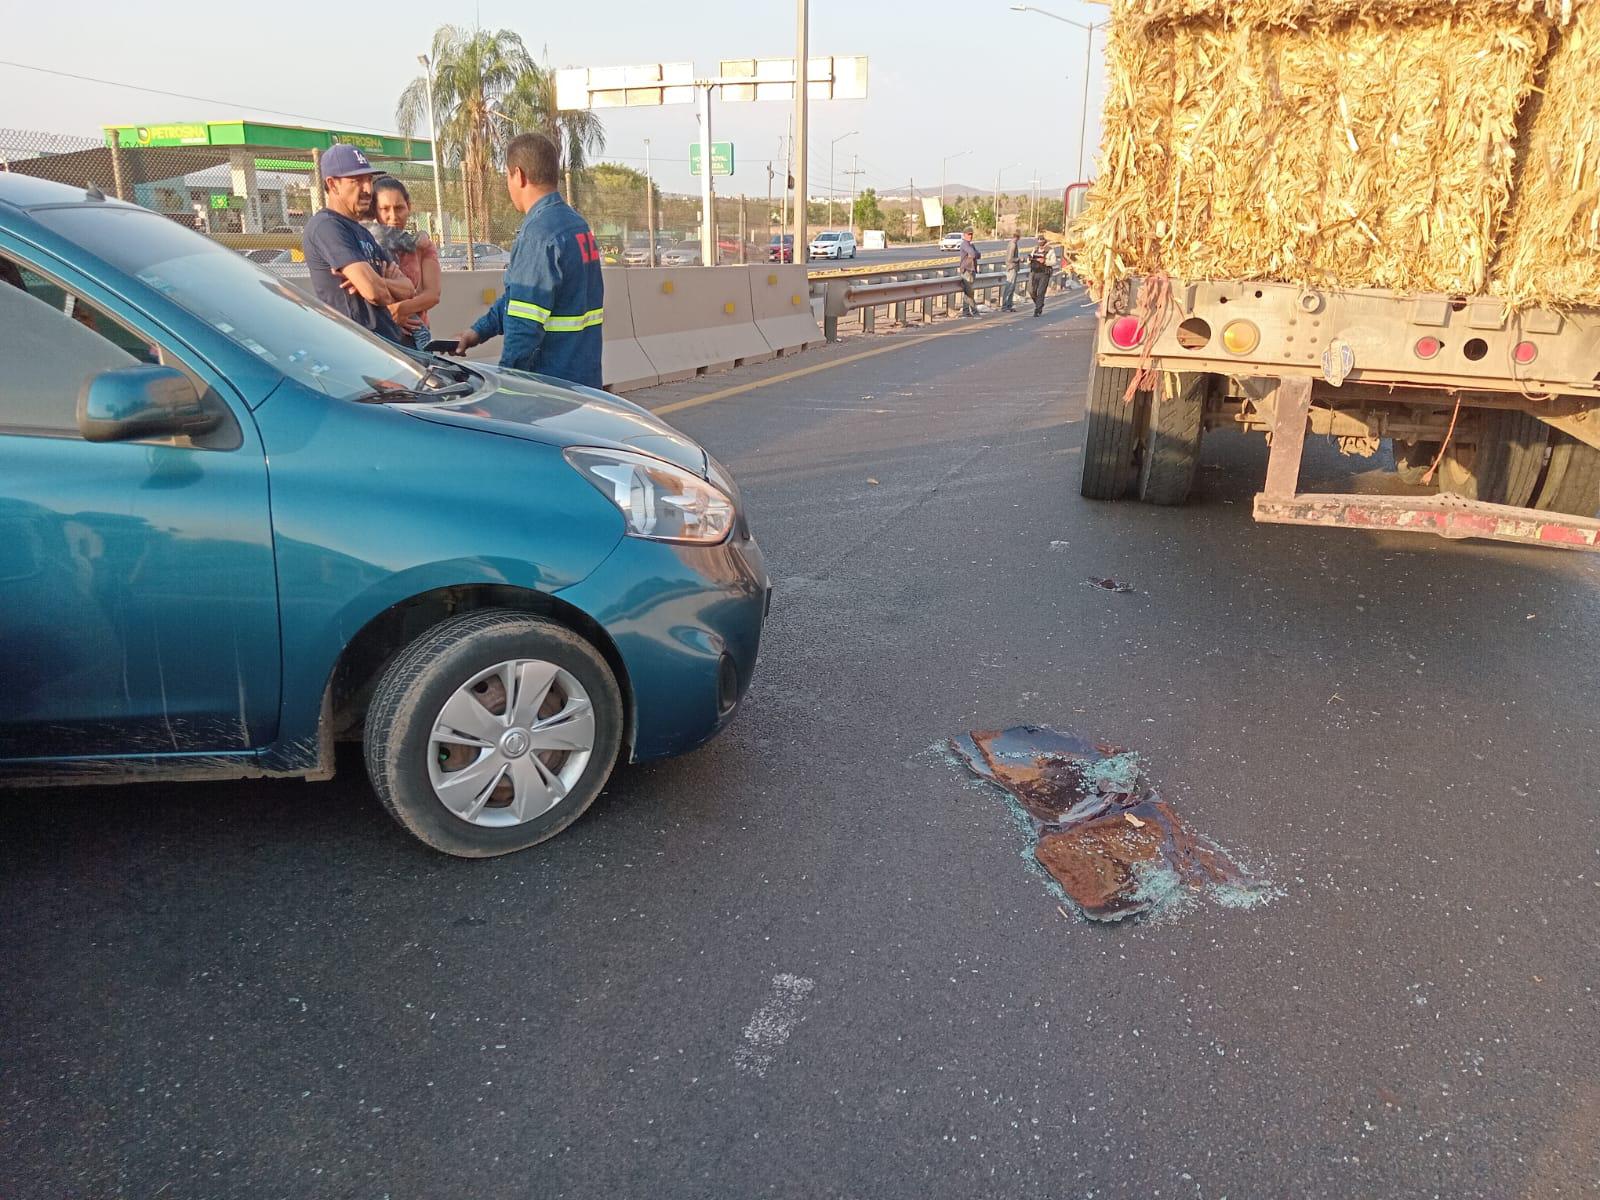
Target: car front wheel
[{"x": 492, "y": 732}]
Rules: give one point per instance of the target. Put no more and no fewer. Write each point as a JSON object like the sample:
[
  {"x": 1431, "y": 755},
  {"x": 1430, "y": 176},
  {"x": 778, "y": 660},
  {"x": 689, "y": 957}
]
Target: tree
[
  {"x": 868, "y": 212},
  {"x": 531, "y": 105},
  {"x": 474, "y": 71},
  {"x": 616, "y": 196}
]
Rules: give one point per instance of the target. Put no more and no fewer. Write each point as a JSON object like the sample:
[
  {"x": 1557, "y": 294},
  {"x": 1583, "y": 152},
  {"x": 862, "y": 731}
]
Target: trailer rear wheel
[
  {"x": 1111, "y": 433},
  {"x": 1504, "y": 464},
  {"x": 1172, "y": 438},
  {"x": 1572, "y": 480}
]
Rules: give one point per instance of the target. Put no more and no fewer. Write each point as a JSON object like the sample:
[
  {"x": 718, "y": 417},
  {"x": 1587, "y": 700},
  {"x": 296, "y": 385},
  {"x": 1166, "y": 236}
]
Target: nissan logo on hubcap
[{"x": 514, "y": 744}]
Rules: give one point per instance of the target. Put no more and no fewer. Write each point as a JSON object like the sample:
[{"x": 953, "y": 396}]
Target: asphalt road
[{"x": 811, "y": 959}]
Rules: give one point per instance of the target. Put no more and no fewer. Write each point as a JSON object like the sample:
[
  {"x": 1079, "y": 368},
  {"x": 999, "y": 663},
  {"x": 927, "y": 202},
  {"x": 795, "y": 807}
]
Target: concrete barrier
[
  {"x": 694, "y": 319},
  {"x": 780, "y": 297},
  {"x": 661, "y": 323}
]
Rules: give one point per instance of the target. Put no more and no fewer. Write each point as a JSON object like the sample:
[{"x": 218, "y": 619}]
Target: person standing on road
[
  {"x": 1008, "y": 293},
  {"x": 967, "y": 268},
  {"x": 1039, "y": 274},
  {"x": 413, "y": 252},
  {"x": 552, "y": 306},
  {"x": 350, "y": 272}
]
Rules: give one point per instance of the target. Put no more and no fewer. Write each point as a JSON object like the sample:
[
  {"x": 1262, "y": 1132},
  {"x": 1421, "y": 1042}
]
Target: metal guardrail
[{"x": 844, "y": 296}]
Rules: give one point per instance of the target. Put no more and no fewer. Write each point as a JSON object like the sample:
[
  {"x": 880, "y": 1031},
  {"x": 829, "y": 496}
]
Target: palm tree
[
  {"x": 474, "y": 71},
  {"x": 531, "y": 105}
]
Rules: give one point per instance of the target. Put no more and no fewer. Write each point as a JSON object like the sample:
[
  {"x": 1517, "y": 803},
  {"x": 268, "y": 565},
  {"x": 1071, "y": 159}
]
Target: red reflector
[
  {"x": 1126, "y": 332},
  {"x": 1525, "y": 353},
  {"x": 1428, "y": 347}
]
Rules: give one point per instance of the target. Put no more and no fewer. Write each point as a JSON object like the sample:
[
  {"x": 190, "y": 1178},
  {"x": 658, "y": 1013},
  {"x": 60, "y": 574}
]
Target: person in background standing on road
[
  {"x": 551, "y": 310},
  {"x": 1039, "y": 274},
  {"x": 1008, "y": 294},
  {"x": 967, "y": 268},
  {"x": 350, "y": 272},
  {"x": 412, "y": 252}
]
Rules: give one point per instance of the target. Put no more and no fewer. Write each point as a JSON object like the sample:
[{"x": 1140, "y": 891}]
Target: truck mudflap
[{"x": 1446, "y": 515}]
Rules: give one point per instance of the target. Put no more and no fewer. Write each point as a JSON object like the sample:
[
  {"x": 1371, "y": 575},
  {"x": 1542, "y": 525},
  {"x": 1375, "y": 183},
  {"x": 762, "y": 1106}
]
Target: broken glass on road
[{"x": 1113, "y": 846}]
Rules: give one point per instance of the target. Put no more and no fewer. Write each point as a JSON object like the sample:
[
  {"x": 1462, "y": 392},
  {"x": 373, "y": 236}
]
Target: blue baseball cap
[{"x": 341, "y": 161}]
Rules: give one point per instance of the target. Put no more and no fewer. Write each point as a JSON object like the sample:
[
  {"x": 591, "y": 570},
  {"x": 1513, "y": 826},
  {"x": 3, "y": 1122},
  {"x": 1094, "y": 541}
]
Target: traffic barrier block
[
  {"x": 624, "y": 364},
  {"x": 780, "y": 297},
  {"x": 694, "y": 319}
]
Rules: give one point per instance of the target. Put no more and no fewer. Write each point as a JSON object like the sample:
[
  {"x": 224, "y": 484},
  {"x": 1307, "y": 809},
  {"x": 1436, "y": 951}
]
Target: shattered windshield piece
[{"x": 1114, "y": 847}]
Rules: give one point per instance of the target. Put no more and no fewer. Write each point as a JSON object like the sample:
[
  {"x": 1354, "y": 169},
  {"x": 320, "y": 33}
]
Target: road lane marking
[
  {"x": 899, "y": 343},
  {"x": 774, "y": 1021}
]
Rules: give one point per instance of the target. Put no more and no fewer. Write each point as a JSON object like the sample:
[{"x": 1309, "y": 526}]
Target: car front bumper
[{"x": 686, "y": 622}]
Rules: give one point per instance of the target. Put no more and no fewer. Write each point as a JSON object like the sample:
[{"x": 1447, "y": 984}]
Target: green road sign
[{"x": 721, "y": 158}]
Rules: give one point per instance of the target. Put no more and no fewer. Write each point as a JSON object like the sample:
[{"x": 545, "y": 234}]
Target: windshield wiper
[{"x": 411, "y": 395}]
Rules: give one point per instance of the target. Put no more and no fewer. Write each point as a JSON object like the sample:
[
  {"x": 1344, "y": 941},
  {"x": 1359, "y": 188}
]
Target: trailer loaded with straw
[{"x": 1375, "y": 220}]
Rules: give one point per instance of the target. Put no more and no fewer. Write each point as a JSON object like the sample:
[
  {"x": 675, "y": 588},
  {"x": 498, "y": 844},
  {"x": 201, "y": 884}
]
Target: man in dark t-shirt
[{"x": 350, "y": 272}]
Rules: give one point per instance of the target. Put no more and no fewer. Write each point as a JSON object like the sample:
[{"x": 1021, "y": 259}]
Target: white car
[
  {"x": 684, "y": 254},
  {"x": 833, "y": 243},
  {"x": 951, "y": 241}
]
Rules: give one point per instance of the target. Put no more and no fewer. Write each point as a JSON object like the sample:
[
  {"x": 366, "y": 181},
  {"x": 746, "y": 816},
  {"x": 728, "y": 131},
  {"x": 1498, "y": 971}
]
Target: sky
[{"x": 996, "y": 90}]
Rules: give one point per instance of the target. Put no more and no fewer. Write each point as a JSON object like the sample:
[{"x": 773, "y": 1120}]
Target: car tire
[
  {"x": 1172, "y": 438},
  {"x": 430, "y": 688},
  {"x": 1111, "y": 433},
  {"x": 1571, "y": 482}
]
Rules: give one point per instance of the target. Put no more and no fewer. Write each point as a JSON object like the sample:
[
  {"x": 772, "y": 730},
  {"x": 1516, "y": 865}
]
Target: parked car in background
[
  {"x": 523, "y": 584},
  {"x": 833, "y": 243},
  {"x": 486, "y": 257},
  {"x": 684, "y": 254},
  {"x": 951, "y": 241},
  {"x": 637, "y": 253},
  {"x": 781, "y": 248}
]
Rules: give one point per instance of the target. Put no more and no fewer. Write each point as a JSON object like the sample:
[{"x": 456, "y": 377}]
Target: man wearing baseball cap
[{"x": 350, "y": 272}]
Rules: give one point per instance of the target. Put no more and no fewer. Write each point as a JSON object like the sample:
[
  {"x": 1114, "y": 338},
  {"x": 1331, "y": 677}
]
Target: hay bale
[
  {"x": 1317, "y": 143},
  {"x": 1550, "y": 250}
]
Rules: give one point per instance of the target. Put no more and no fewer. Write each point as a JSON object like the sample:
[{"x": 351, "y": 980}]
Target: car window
[
  {"x": 53, "y": 344},
  {"x": 299, "y": 336}
]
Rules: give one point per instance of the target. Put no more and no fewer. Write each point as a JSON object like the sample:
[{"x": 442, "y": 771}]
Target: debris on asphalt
[
  {"x": 1112, "y": 847},
  {"x": 1110, "y": 585}
]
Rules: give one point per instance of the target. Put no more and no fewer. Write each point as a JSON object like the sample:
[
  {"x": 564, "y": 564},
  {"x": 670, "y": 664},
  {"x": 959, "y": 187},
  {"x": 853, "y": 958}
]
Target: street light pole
[
  {"x": 942, "y": 166},
  {"x": 433, "y": 140},
  {"x": 997, "y": 172},
  {"x": 802, "y": 88},
  {"x": 833, "y": 178},
  {"x": 1088, "y": 65}
]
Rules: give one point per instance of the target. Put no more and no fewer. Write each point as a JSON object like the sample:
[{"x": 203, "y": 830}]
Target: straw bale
[
  {"x": 1364, "y": 153},
  {"x": 1550, "y": 250},
  {"x": 1307, "y": 14}
]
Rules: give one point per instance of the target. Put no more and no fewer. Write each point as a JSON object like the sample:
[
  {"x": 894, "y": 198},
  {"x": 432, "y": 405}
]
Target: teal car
[{"x": 236, "y": 529}]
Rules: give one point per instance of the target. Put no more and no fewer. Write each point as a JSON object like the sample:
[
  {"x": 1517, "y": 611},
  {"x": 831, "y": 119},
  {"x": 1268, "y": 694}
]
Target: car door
[{"x": 138, "y": 597}]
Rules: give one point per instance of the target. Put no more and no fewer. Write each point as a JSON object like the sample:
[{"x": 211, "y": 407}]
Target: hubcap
[{"x": 510, "y": 743}]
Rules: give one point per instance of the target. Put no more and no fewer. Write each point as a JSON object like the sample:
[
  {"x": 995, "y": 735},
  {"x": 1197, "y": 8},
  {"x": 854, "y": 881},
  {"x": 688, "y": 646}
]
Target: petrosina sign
[{"x": 158, "y": 135}]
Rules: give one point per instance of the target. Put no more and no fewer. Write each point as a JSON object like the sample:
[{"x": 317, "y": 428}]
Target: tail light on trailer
[
  {"x": 1524, "y": 353},
  {"x": 1427, "y": 347},
  {"x": 1127, "y": 332}
]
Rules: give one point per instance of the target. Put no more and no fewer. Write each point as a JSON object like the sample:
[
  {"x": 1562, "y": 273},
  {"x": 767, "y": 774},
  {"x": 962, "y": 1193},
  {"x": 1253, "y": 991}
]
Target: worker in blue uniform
[{"x": 551, "y": 310}]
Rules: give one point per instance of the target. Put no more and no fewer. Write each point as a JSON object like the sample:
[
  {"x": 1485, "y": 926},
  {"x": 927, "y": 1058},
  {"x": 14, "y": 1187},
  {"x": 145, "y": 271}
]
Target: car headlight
[{"x": 658, "y": 500}]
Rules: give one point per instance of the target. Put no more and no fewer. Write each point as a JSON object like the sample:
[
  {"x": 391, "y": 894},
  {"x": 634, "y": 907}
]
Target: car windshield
[
  {"x": 827, "y": 237},
  {"x": 305, "y": 340}
]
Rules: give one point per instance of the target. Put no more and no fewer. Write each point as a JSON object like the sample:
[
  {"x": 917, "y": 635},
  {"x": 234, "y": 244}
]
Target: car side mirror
[{"x": 144, "y": 401}]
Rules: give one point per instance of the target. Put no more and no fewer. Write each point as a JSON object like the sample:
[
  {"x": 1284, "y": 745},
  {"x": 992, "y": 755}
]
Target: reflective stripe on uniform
[
  {"x": 531, "y": 312},
  {"x": 572, "y": 324}
]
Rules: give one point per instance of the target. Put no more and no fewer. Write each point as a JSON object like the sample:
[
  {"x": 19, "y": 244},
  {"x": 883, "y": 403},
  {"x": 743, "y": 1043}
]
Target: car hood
[{"x": 540, "y": 409}]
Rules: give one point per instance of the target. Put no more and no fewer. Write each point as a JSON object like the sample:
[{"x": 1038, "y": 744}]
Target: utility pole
[
  {"x": 769, "y": 201},
  {"x": 744, "y": 226},
  {"x": 802, "y": 64},
  {"x": 853, "y": 174},
  {"x": 650, "y": 202}
]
